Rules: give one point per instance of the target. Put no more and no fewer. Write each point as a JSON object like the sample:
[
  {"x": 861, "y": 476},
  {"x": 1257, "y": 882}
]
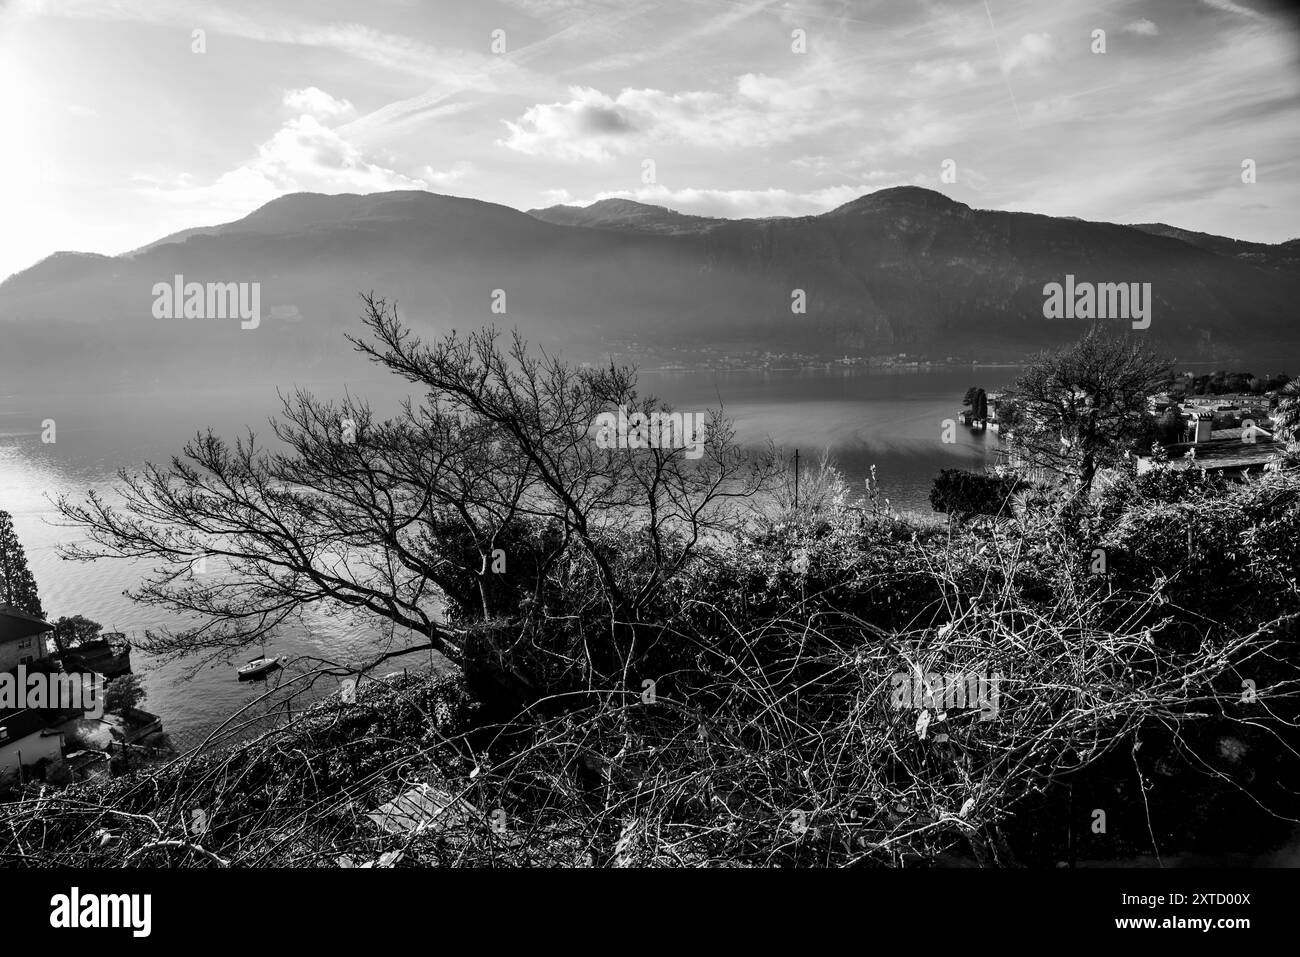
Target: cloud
[
  {"x": 1144, "y": 27},
  {"x": 689, "y": 37},
  {"x": 485, "y": 74},
  {"x": 444, "y": 179},
  {"x": 316, "y": 102},
  {"x": 303, "y": 155},
  {"x": 390, "y": 51},
  {"x": 915, "y": 129},
  {"x": 306, "y": 151},
  {"x": 817, "y": 164},
  {"x": 584, "y": 128},
  {"x": 1227, "y": 6},
  {"x": 566, "y": 11},
  {"x": 557, "y": 197},
  {"x": 758, "y": 112},
  {"x": 1033, "y": 50},
  {"x": 946, "y": 73}
]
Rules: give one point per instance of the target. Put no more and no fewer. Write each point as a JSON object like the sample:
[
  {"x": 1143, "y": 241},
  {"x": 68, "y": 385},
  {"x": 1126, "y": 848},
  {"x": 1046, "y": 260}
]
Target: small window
[{"x": 25, "y": 643}]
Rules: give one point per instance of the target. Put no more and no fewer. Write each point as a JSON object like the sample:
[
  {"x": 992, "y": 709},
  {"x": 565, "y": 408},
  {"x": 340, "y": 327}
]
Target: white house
[
  {"x": 22, "y": 638},
  {"x": 27, "y": 735}
]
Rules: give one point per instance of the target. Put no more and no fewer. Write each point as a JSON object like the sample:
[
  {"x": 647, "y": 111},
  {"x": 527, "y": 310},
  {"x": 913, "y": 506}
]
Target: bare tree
[
  {"x": 1080, "y": 409},
  {"x": 473, "y": 504}
]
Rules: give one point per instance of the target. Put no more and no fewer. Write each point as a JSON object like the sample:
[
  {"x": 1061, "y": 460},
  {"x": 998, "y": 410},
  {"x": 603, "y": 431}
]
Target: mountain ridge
[
  {"x": 903, "y": 269},
  {"x": 610, "y": 210}
]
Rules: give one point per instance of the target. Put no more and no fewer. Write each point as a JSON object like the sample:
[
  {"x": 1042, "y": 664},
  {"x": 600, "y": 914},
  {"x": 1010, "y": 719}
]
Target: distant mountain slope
[
  {"x": 624, "y": 214},
  {"x": 898, "y": 270},
  {"x": 1282, "y": 255}
]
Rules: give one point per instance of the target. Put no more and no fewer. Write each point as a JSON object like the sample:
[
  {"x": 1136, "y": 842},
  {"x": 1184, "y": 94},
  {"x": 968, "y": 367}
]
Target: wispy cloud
[
  {"x": 1228, "y": 6},
  {"x": 1031, "y": 52},
  {"x": 757, "y": 112},
  {"x": 318, "y": 103},
  {"x": 333, "y": 96},
  {"x": 1143, "y": 27},
  {"x": 303, "y": 155}
]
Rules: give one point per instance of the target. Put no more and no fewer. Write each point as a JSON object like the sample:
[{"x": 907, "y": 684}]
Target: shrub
[{"x": 963, "y": 494}]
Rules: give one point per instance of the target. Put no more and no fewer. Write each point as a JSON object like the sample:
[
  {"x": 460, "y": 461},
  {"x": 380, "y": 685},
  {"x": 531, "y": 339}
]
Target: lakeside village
[
  {"x": 660, "y": 359},
  {"x": 767, "y": 361},
  {"x": 1220, "y": 422},
  {"x": 68, "y": 701}
]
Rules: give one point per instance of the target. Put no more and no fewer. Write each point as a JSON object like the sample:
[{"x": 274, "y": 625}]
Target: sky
[{"x": 126, "y": 120}]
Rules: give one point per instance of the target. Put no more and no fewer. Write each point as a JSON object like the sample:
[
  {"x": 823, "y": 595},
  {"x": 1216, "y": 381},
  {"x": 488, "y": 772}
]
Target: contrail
[{"x": 998, "y": 47}]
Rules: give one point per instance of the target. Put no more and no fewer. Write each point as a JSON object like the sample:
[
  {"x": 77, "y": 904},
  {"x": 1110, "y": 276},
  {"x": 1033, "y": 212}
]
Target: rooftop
[
  {"x": 15, "y": 624},
  {"x": 1227, "y": 453},
  {"x": 20, "y": 722}
]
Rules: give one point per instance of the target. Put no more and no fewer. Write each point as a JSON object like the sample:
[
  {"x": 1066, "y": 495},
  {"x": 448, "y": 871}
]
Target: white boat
[{"x": 259, "y": 667}]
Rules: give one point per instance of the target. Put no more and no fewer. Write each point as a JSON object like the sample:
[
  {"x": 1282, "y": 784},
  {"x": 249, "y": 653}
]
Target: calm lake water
[{"x": 890, "y": 420}]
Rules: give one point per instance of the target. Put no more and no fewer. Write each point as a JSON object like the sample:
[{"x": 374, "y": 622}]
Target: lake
[{"x": 892, "y": 420}]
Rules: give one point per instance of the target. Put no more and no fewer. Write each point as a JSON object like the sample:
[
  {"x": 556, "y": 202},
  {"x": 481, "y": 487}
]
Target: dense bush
[
  {"x": 754, "y": 715},
  {"x": 963, "y": 494}
]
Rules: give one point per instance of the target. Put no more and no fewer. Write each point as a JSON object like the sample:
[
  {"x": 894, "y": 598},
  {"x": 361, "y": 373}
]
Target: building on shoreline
[
  {"x": 1234, "y": 453},
  {"x": 36, "y": 737},
  {"x": 22, "y": 638},
  {"x": 27, "y": 735}
]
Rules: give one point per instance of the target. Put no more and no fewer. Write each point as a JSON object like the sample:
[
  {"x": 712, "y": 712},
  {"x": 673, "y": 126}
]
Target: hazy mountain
[
  {"x": 1279, "y": 256},
  {"x": 625, "y": 214},
  {"x": 899, "y": 270}
]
